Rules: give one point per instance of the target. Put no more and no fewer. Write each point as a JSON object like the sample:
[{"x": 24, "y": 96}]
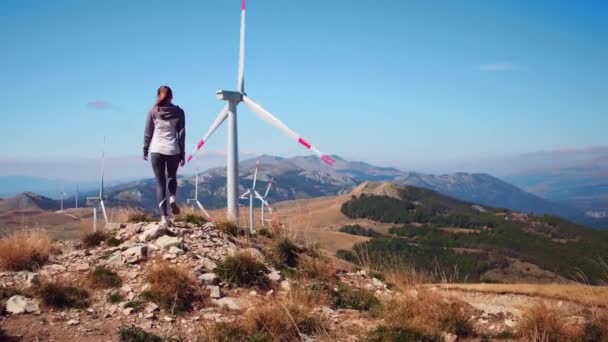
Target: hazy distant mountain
[
  {"x": 28, "y": 200},
  {"x": 13, "y": 185},
  {"x": 580, "y": 181},
  {"x": 307, "y": 177}
]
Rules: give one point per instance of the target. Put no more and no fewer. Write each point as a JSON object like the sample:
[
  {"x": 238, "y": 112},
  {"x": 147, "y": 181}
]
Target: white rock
[
  {"x": 82, "y": 267},
  {"x": 166, "y": 242},
  {"x": 274, "y": 275},
  {"x": 228, "y": 302},
  {"x": 214, "y": 291},
  {"x": 176, "y": 250},
  {"x": 168, "y": 319},
  {"x": 73, "y": 322},
  {"x": 127, "y": 311},
  {"x": 447, "y": 337},
  {"x": 19, "y": 305},
  {"x": 286, "y": 285},
  {"x": 208, "y": 278},
  {"x": 208, "y": 264},
  {"x": 116, "y": 259},
  {"x": 31, "y": 279},
  {"x": 135, "y": 254},
  {"x": 154, "y": 231},
  {"x": 151, "y": 307}
]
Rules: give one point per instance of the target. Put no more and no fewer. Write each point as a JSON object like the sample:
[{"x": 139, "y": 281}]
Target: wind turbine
[
  {"x": 229, "y": 112},
  {"x": 264, "y": 202},
  {"x": 62, "y": 195},
  {"x": 195, "y": 199},
  {"x": 251, "y": 193},
  {"x": 95, "y": 201}
]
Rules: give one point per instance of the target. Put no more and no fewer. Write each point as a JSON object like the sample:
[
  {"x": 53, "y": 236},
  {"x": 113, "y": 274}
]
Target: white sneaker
[{"x": 174, "y": 207}]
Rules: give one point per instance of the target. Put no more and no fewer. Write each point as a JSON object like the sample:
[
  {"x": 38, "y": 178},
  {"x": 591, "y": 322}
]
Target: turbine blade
[
  {"x": 268, "y": 188},
  {"x": 272, "y": 120},
  {"x": 200, "y": 206},
  {"x": 241, "y": 79},
  {"x": 258, "y": 196},
  {"x": 103, "y": 165},
  {"x": 218, "y": 121},
  {"x": 255, "y": 174},
  {"x": 245, "y": 194},
  {"x": 103, "y": 209}
]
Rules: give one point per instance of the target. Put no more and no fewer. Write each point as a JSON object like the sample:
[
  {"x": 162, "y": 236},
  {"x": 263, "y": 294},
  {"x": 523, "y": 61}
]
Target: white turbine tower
[
  {"x": 195, "y": 200},
  {"x": 229, "y": 112},
  {"x": 95, "y": 201}
]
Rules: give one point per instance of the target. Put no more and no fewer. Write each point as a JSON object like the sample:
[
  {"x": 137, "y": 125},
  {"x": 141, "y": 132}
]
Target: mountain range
[{"x": 307, "y": 177}]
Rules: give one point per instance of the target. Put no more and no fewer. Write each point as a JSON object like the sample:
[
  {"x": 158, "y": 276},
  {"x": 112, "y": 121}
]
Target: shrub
[
  {"x": 60, "y": 296},
  {"x": 230, "y": 228},
  {"x": 172, "y": 288},
  {"x": 358, "y": 230},
  {"x": 115, "y": 297},
  {"x": 243, "y": 269},
  {"x": 24, "y": 250},
  {"x": 285, "y": 253},
  {"x": 138, "y": 217},
  {"x": 194, "y": 219},
  {"x": 94, "y": 239},
  {"x": 235, "y": 332},
  {"x": 266, "y": 233},
  {"x": 136, "y": 334},
  {"x": 112, "y": 241},
  {"x": 348, "y": 297},
  {"x": 102, "y": 278}
]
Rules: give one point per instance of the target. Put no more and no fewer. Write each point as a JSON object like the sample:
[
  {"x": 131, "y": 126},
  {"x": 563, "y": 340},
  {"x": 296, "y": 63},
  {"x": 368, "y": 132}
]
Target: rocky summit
[{"x": 281, "y": 290}]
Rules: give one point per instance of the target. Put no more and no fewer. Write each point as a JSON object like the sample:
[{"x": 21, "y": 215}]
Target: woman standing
[{"x": 164, "y": 140}]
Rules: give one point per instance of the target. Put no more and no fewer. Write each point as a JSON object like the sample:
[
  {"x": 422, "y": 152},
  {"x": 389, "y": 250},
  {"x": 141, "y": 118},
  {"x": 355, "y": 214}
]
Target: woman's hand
[
  {"x": 145, "y": 156},
  {"x": 182, "y": 162}
]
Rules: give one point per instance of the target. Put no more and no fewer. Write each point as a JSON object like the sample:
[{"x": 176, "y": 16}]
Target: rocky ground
[{"x": 199, "y": 249}]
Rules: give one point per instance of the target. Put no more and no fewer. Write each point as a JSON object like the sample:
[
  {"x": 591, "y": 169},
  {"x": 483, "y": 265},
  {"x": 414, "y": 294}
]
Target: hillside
[
  {"x": 200, "y": 281},
  {"x": 307, "y": 177},
  {"x": 473, "y": 242},
  {"x": 28, "y": 200}
]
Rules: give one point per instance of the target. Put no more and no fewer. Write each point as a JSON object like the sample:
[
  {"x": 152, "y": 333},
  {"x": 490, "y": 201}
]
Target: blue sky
[{"x": 390, "y": 82}]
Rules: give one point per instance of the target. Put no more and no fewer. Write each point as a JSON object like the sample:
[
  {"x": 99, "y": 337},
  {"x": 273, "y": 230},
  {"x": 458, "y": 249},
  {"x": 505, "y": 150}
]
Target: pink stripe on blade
[
  {"x": 328, "y": 160},
  {"x": 190, "y": 158},
  {"x": 305, "y": 143},
  {"x": 200, "y": 144},
  {"x": 244, "y": 5}
]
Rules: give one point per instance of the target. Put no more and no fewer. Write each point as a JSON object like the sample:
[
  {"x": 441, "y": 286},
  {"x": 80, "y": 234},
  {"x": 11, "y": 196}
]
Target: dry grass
[
  {"x": 273, "y": 322},
  {"x": 428, "y": 314},
  {"x": 24, "y": 250},
  {"x": 93, "y": 239},
  {"x": 577, "y": 293},
  {"x": 284, "y": 253},
  {"x": 541, "y": 323},
  {"x": 229, "y": 228},
  {"x": 124, "y": 215},
  {"x": 243, "y": 269},
  {"x": 173, "y": 288},
  {"x": 102, "y": 278}
]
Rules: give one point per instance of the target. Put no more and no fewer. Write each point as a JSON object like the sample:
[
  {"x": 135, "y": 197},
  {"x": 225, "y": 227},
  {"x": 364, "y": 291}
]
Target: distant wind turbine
[{"x": 98, "y": 201}]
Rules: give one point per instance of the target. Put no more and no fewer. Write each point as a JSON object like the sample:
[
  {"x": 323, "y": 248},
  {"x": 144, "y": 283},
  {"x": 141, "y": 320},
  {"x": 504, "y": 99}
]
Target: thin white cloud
[
  {"x": 100, "y": 104},
  {"x": 499, "y": 67}
]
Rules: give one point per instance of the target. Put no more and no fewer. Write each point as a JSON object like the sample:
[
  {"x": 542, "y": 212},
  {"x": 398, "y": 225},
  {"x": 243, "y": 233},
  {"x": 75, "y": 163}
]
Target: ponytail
[{"x": 164, "y": 95}]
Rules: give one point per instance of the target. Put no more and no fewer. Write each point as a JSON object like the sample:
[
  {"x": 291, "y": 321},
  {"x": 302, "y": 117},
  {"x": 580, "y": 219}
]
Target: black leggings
[{"x": 165, "y": 170}]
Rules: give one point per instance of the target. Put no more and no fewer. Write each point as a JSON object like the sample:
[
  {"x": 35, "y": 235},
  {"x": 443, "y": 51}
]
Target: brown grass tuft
[
  {"x": 272, "y": 322},
  {"x": 102, "y": 278},
  {"x": 94, "y": 239},
  {"x": 24, "y": 250},
  {"x": 60, "y": 296},
  {"x": 428, "y": 314},
  {"x": 173, "y": 288},
  {"x": 124, "y": 215},
  {"x": 229, "y": 228},
  {"x": 541, "y": 323},
  {"x": 243, "y": 269}
]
